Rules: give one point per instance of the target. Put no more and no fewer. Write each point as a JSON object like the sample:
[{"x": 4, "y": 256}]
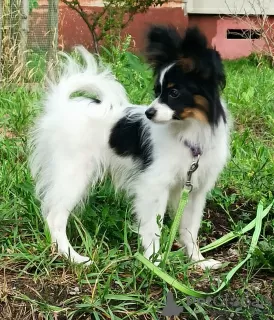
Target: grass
[{"x": 35, "y": 283}]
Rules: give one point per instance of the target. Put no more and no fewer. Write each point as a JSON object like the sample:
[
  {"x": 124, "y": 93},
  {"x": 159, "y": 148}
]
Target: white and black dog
[{"x": 147, "y": 151}]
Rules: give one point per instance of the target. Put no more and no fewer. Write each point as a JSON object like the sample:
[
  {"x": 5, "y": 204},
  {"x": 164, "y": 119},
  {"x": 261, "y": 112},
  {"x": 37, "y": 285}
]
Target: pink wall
[
  {"x": 215, "y": 28},
  {"x": 234, "y": 48},
  {"x": 73, "y": 31}
]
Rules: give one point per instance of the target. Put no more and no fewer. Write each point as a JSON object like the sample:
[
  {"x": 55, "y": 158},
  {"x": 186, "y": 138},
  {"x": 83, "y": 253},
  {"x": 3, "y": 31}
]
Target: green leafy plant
[
  {"x": 114, "y": 16},
  {"x": 33, "y": 4}
]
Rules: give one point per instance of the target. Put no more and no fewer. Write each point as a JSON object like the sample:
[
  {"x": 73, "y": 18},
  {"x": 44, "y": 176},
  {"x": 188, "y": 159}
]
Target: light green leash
[
  {"x": 257, "y": 223},
  {"x": 182, "y": 204},
  {"x": 176, "y": 223}
]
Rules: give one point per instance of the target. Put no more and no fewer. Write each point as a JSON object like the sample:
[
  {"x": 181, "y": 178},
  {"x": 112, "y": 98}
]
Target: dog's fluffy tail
[
  {"x": 92, "y": 78},
  {"x": 69, "y": 138}
]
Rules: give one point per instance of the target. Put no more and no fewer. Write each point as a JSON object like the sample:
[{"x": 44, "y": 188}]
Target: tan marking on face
[
  {"x": 194, "y": 113},
  {"x": 187, "y": 64},
  {"x": 170, "y": 85},
  {"x": 201, "y": 102}
]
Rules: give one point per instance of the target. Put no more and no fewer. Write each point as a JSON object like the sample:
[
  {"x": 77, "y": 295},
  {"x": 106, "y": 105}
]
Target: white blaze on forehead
[{"x": 163, "y": 72}]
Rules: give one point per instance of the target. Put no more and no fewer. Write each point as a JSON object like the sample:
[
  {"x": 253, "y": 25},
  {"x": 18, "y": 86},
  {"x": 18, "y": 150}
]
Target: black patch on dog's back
[{"x": 130, "y": 137}]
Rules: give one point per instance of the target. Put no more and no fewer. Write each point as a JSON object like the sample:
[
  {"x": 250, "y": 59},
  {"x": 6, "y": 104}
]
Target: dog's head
[{"x": 189, "y": 76}]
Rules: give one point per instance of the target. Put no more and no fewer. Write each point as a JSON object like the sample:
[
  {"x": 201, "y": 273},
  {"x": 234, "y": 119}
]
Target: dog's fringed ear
[
  {"x": 163, "y": 43},
  {"x": 196, "y": 55},
  {"x": 193, "y": 49},
  {"x": 194, "y": 42}
]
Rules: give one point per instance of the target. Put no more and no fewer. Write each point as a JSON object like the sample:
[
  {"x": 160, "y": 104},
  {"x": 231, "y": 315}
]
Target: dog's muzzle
[{"x": 150, "y": 113}]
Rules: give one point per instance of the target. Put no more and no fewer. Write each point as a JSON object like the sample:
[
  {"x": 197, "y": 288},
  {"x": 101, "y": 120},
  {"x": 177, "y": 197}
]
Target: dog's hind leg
[
  {"x": 66, "y": 190},
  {"x": 57, "y": 222}
]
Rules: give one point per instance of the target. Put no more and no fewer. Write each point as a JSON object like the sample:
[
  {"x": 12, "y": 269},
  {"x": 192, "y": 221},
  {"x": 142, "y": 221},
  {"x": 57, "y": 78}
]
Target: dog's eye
[{"x": 174, "y": 93}]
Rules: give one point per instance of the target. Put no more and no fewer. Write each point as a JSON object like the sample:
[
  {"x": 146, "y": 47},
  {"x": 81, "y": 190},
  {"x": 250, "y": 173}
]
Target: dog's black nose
[{"x": 150, "y": 113}]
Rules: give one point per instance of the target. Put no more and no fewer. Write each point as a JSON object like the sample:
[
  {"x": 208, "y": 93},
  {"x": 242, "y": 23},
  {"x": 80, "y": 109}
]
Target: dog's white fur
[{"x": 70, "y": 153}]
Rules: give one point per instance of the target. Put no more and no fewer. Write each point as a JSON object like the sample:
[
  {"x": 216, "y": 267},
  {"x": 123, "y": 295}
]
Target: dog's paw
[
  {"x": 82, "y": 260},
  {"x": 69, "y": 253},
  {"x": 209, "y": 264},
  {"x": 78, "y": 259}
]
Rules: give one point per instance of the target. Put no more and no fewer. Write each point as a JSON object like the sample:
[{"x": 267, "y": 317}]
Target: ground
[{"x": 35, "y": 283}]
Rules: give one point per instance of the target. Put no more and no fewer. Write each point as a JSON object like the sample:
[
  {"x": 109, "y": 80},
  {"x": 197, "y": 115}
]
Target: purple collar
[{"x": 194, "y": 148}]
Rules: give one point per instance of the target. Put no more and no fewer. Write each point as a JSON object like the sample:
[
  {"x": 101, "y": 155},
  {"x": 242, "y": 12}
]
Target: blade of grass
[{"x": 232, "y": 235}]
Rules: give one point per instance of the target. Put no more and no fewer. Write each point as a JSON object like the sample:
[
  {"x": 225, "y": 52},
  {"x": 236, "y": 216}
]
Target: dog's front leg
[
  {"x": 150, "y": 206},
  {"x": 189, "y": 227}
]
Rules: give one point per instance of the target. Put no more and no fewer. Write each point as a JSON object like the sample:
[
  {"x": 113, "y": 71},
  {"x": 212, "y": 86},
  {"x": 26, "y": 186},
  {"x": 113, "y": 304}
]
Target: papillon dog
[{"x": 146, "y": 150}]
